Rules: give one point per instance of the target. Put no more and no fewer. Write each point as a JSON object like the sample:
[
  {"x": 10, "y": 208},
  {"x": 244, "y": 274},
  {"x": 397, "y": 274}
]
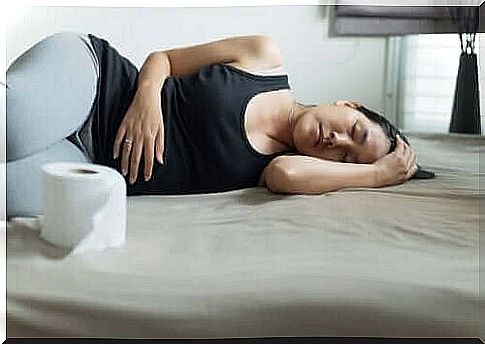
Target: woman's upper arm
[
  {"x": 256, "y": 52},
  {"x": 302, "y": 174}
]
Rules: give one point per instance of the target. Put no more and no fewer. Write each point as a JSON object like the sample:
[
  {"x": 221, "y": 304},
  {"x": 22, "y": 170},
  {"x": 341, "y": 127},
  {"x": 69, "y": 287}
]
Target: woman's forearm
[
  {"x": 307, "y": 175},
  {"x": 339, "y": 176},
  {"x": 154, "y": 71}
]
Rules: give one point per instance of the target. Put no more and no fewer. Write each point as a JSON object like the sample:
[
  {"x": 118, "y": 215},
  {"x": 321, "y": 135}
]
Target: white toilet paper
[{"x": 84, "y": 206}]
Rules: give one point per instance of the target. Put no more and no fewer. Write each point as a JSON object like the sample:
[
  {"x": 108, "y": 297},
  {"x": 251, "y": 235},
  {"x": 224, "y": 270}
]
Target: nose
[{"x": 336, "y": 139}]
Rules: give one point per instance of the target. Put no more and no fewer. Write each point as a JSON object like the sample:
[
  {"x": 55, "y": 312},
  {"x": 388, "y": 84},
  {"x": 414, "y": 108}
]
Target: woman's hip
[{"x": 51, "y": 88}]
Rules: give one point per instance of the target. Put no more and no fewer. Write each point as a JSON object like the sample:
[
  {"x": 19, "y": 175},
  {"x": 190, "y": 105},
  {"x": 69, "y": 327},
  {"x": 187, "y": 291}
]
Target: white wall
[{"x": 321, "y": 69}]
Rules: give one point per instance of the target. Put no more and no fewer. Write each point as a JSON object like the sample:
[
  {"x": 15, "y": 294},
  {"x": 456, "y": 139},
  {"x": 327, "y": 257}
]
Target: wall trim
[{"x": 392, "y": 74}]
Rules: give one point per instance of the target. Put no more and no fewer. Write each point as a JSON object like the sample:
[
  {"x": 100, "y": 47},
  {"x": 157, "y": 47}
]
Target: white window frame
[
  {"x": 395, "y": 52},
  {"x": 393, "y": 74}
]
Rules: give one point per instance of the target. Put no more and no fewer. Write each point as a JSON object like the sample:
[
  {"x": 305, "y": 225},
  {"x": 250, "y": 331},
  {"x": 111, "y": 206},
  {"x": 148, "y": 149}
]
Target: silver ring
[{"x": 128, "y": 142}]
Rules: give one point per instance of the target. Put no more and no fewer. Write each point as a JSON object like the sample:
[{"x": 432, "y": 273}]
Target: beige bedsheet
[{"x": 399, "y": 261}]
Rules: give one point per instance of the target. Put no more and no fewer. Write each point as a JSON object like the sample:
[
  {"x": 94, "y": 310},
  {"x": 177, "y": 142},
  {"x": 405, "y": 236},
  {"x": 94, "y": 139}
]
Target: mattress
[{"x": 397, "y": 261}]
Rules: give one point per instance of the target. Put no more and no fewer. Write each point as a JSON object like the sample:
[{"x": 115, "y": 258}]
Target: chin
[
  {"x": 313, "y": 153},
  {"x": 305, "y": 149}
]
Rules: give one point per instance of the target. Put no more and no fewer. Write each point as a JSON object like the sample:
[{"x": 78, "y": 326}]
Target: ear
[{"x": 349, "y": 103}]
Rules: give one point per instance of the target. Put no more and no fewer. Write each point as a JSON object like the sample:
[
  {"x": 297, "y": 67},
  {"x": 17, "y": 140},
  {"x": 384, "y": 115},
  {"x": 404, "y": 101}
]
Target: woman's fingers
[
  {"x": 412, "y": 171},
  {"x": 399, "y": 145},
  {"x": 135, "y": 159},
  {"x": 159, "y": 142},
  {"x": 409, "y": 158},
  {"x": 132, "y": 152},
  {"x": 125, "y": 158},
  {"x": 405, "y": 154},
  {"x": 151, "y": 145},
  {"x": 148, "y": 154},
  {"x": 118, "y": 139}
]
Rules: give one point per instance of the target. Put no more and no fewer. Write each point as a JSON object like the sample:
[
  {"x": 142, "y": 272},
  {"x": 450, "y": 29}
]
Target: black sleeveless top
[{"x": 205, "y": 144}]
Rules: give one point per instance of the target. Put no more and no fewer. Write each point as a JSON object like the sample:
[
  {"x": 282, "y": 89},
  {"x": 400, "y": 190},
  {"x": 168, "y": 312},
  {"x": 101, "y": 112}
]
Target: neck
[{"x": 283, "y": 123}]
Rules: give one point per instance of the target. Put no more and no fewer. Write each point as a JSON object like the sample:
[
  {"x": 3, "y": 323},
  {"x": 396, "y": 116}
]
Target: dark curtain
[
  {"x": 465, "y": 116},
  {"x": 356, "y": 20}
]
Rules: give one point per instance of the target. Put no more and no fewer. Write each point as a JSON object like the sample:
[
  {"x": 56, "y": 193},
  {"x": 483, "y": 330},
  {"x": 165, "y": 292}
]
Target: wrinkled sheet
[{"x": 399, "y": 261}]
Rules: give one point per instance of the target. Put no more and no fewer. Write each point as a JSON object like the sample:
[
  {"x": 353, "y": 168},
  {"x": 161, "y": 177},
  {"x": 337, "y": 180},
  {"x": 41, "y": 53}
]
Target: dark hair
[{"x": 391, "y": 131}]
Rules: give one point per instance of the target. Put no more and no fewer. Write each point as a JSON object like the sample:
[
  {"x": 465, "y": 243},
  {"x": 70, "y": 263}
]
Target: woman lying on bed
[{"x": 212, "y": 117}]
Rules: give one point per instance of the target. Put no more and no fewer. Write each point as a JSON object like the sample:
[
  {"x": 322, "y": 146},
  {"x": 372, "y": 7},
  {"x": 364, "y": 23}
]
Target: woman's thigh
[
  {"x": 50, "y": 90},
  {"x": 24, "y": 178}
]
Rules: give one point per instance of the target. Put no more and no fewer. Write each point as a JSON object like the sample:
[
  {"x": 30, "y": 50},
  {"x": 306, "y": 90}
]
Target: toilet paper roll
[{"x": 84, "y": 206}]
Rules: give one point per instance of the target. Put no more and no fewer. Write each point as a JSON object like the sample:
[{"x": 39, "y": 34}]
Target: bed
[{"x": 399, "y": 261}]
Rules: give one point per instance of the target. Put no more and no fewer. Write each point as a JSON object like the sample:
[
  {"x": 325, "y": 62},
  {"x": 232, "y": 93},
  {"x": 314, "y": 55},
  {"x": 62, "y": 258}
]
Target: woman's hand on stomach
[{"x": 143, "y": 126}]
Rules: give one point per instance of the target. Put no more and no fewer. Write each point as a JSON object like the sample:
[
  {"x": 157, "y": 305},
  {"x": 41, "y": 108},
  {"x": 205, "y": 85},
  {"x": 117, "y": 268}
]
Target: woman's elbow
[{"x": 278, "y": 179}]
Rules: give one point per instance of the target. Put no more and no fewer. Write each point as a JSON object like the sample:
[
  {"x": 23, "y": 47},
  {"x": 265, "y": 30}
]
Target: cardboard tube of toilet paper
[{"x": 84, "y": 206}]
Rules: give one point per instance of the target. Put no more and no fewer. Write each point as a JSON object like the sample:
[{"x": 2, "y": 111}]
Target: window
[{"x": 427, "y": 81}]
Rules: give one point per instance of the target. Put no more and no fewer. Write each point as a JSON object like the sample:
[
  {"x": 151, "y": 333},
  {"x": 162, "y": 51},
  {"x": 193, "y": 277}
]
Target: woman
[{"x": 212, "y": 117}]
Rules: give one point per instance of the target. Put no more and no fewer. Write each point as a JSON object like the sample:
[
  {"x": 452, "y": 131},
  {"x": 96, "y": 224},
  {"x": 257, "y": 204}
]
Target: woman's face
[{"x": 339, "y": 132}]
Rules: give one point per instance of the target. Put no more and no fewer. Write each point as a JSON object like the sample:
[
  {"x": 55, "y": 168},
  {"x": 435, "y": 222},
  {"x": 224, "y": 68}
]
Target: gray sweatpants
[{"x": 50, "y": 91}]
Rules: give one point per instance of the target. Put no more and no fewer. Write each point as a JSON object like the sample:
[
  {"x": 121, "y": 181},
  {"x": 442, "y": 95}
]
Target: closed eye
[{"x": 352, "y": 135}]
